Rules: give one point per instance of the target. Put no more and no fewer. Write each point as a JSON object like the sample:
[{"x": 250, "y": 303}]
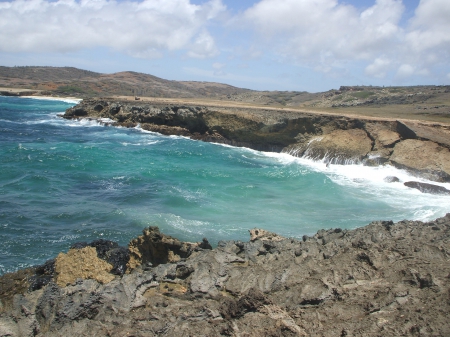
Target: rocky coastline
[
  {"x": 384, "y": 279},
  {"x": 419, "y": 147}
]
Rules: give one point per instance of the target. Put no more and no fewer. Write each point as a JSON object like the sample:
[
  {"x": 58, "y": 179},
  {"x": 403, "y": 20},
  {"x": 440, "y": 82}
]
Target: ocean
[{"x": 66, "y": 181}]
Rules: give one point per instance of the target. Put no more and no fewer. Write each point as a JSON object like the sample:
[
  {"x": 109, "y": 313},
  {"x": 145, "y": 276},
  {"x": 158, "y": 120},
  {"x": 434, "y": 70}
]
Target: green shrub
[{"x": 363, "y": 94}]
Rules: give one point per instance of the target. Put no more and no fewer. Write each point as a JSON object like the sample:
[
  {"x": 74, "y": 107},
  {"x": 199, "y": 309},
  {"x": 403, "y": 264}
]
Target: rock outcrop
[
  {"x": 425, "y": 158},
  {"x": 427, "y": 188},
  {"x": 81, "y": 264},
  {"x": 153, "y": 248},
  {"x": 340, "y": 146},
  {"x": 384, "y": 279},
  {"x": 423, "y": 149}
]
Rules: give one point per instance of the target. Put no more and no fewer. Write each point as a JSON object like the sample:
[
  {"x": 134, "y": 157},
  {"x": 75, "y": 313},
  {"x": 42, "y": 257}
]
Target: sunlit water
[{"x": 67, "y": 181}]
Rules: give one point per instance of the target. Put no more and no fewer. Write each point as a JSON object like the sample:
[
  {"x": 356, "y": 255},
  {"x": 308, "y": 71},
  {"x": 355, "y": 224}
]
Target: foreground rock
[
  {"x": 423, "y": 149},
  {"x": 384, "y": 279}
]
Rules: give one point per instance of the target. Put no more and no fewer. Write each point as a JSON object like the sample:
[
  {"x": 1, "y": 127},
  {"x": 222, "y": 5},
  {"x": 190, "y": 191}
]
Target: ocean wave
[{"x": 71, "y": 100}]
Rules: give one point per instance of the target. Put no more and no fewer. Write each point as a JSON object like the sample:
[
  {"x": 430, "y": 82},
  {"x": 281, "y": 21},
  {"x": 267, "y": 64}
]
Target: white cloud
[
  {"x": 218, "y": 65},
  {"x": 143, "y": 29},
  {"x": 428, "y": 35},
  {"x": 328, "y": 35},
  {"x": 378, "y": 68},
  {"x": 203, "y": 46},
  {"x": 405, "y": 71},
  {"x": 315, "y": 31}
]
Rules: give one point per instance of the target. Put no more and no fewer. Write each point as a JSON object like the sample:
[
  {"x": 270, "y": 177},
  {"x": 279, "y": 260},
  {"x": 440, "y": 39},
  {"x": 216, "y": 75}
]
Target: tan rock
[
  {"x": 81, "y": 263},
  {"x": 434, "y": 132},
  {"x": 262, "y": 234},
  {"x": 340, "y": 146},
  {"x": 383, "y": 135},
  {"x": 426, "y": 158},
  {"x": 154, "y": 247}
]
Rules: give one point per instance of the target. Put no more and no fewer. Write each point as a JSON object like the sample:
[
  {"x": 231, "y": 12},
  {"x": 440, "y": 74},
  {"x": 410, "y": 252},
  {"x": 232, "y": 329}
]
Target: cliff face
[
  {"x": 418, "y": 147},
  {"x": 384, "y": 279}
]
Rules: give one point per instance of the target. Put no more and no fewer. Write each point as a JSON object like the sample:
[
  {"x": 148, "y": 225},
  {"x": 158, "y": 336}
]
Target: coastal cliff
[
  {"x": 419, "y": 147},
  {"x": 384, "y": 279}
]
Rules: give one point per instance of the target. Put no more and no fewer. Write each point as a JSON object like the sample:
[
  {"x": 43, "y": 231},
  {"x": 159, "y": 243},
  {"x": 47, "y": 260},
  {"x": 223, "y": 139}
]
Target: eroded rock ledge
[
  {"x": 384, "y": 279},
  {"x": 421, "y": 148}
]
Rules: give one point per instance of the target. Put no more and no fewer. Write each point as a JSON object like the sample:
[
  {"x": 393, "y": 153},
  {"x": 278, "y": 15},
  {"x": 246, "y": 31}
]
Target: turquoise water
[{"x": 67, "y": 181}]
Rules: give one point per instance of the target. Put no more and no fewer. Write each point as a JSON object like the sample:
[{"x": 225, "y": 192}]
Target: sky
[{"x": 295, "y": 45}]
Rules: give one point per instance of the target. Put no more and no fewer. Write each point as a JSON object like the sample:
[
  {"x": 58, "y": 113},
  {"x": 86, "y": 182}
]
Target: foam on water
[{"x": 70, "y": 100}]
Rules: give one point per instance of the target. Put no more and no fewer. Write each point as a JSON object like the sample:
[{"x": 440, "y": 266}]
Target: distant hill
[
  {"x": 83, "y": 83},
  {"x": 432, "y": 102}
]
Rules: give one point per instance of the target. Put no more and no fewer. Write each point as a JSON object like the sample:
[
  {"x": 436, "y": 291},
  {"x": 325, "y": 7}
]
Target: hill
[{"x": 427, "y": 102}]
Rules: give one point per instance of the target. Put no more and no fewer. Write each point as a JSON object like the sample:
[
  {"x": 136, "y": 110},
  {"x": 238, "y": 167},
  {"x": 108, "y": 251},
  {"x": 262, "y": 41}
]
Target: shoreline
[{"x": 333, "y": 138}]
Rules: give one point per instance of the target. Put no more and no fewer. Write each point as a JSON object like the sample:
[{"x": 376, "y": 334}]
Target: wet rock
[{"x": 427, "y": 188}]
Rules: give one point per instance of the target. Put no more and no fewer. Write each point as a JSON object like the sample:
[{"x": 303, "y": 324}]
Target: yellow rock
[{"x": 81, "y": 263}]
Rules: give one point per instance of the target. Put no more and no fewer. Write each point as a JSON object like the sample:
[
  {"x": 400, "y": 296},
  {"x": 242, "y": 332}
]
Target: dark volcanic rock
[
  {"x": 385, "y": 279},
  {"x": 427, "y": 188},
  {"x": 43, "y": 275}
]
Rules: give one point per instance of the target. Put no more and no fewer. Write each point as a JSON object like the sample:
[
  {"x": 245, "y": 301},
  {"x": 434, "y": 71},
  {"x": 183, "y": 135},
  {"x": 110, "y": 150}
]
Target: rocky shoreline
[
  {"x": 419, "y": 147},
  {"x": 384, "y": 279}
]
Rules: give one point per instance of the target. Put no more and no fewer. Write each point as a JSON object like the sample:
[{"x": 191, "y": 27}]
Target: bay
[{"x": 65, "y": 181}]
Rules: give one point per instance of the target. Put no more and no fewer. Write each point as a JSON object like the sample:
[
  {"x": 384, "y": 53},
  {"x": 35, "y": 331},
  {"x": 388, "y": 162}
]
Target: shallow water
[{"x": 67, "y": 181}]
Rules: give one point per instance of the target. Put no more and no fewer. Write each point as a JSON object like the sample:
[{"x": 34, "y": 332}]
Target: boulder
[{"x": 424, "y": 158}]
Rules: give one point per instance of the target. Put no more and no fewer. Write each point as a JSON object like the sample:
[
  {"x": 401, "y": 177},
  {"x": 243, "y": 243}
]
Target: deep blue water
[{"x": 67, "y": 181}]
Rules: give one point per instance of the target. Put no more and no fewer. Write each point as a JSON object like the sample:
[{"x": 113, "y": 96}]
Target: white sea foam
[
  {"x": 61, "y": 99},
  {"x": 369, "y": 183},
  {"x": 188, "y": 226}
]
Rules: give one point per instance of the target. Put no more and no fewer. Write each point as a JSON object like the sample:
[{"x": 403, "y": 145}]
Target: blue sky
[{"x": 302, "y": 45}]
